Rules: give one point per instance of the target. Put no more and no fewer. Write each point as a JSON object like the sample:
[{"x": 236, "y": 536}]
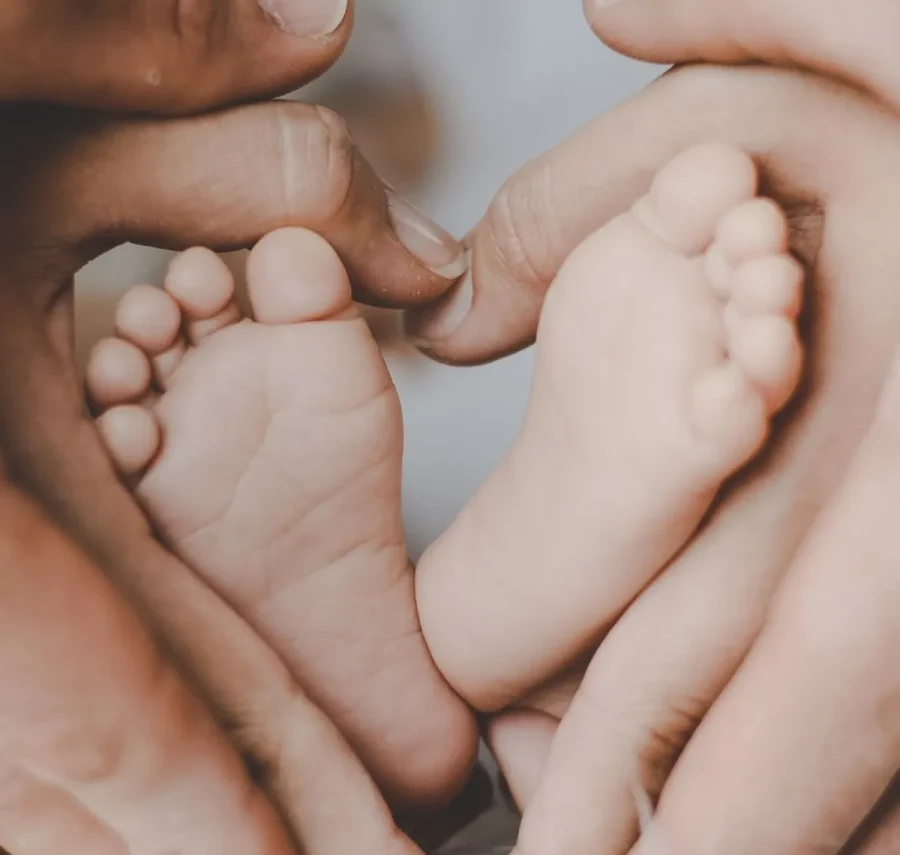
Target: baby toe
[
  {"x": 132, "y": 437},
  {"x": 768, "y": 350},
  {"x": 149, "y": 318},
  {"x": 203, "y": 288},
  {"x": 772, "y": 285},
  {"x": 689, "y": 197},
  {"x": 753, "y": 229},
  {"x": 729, "y": 414},
  {"x": 117, "y": 372},
  {"x": 293, "y": 275}
]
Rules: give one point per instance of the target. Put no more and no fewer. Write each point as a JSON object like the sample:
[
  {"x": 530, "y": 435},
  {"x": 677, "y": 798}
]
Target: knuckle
[
  {"x": 194, "y": 21},
  {"x": 515, "y": 223},
  {"x": 317, "y": 162}
]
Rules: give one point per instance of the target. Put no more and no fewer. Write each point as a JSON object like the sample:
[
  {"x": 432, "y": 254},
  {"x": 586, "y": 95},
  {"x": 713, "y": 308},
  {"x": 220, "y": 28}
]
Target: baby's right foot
[
  {"x": 665, "y": 346},
  {"x": 855, "y": 40},
  {"x": 267, "y": 453}
]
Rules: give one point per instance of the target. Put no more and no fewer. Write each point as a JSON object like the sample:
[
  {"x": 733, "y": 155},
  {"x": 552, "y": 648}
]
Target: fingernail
[
  {"x": 306, "y": 18},
  {"x": 438, "y": 250},
  {"x": 605, "y": 4},
  {"x": 441, "y": 320}
]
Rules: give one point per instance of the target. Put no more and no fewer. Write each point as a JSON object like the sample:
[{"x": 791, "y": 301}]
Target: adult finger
[
  {"x": 806, "y": 739},
  {"x": 172, "y": 56},
  {"x": 293, "y": 751},
  {"x": 548, "y": 208},
  {"x": 221, "y": 181},
  {"x": 858, "y": 47},
  {"x": 521, "y": 741},
  {"x": 643, "y": 700},
  {"x": 98, "y": 717}
]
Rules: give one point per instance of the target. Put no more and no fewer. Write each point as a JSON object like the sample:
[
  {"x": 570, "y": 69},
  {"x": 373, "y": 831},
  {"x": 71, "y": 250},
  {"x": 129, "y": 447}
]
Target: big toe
[
  {"x": 293, "y": 276},
  {"x": 690, "y": 196}
]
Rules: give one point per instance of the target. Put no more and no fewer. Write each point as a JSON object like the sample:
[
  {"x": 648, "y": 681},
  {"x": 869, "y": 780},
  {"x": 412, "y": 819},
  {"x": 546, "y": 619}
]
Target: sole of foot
[
  {"x": 666, "y": 344},
  {"x": 267, "y": 453}
]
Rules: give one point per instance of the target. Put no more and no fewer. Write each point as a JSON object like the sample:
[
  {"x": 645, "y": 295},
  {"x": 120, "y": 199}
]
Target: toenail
[
  {"x": 306, "y": 18},
  {"x": 426, "y": 240}
]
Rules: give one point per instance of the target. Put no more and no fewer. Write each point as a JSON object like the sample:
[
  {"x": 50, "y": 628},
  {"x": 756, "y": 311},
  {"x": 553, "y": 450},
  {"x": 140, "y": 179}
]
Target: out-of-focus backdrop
[{"x": 447, "y": 99}]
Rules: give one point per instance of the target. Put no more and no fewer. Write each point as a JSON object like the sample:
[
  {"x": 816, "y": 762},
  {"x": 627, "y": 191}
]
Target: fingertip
[{"x": 521, "y": 743}]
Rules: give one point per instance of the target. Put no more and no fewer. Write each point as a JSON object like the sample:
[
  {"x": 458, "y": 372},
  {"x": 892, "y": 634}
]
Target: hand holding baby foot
[
  {"x": 268, "y": 454},
  {"x": 665, "y": 345},
  {"x": 74, "y": 185},
  {"x": 824, "y": 152}
]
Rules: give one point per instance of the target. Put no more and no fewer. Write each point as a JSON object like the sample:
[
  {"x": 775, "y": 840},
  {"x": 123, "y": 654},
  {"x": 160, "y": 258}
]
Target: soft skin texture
[
  {"x": 829, "y": 155},
  {"x": 98, "y": 723},
  {"x": 653, "y": 383},
  {"x": 267, "y": 453},
  {"x": 73, "y": 186},
  {"x": 55, "y": 214}
]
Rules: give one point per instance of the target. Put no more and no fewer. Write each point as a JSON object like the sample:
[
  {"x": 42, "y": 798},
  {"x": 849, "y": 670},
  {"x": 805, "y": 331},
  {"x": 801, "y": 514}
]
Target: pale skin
[
  {"x": 51, "y": 410},
  {"x": 268, "y": 454},
  {"x": 686, "y": 258},
  {"x": 855, "y": 42},
  {"x": 641, "y": 702},
  {"x": 55, "y": 216}
]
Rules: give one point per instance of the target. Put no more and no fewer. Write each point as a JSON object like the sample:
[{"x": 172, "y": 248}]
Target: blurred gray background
[{"x": 448, "y": 99}]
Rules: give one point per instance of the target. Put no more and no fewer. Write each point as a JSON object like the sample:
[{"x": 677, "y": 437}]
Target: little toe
[
  {"x": 767, "y": 349},
  {"x": 691, "y": 195},
  {"x": 118, "y": 372},
  {"x": 293, "y": 275},
  {"x": 728, "y": 411},
  {"x": 132, "y": 437},
  {"x": 203, "y": 287}
]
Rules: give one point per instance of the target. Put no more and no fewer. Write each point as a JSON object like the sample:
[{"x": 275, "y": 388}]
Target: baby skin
[
  {"x": 267, "y": 453},
  {"x": 666, "y": 344}
]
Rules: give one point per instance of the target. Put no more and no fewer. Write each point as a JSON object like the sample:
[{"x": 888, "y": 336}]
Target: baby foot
[
  {"x": 666, "y": 344},
  {"x": 858, "y": 47},
  {"x": 268, "y": 455}
]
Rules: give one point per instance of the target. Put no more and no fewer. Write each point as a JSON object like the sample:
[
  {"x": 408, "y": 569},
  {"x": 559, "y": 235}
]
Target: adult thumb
[
  {"x": 223, "y": 181},
  {"x": 548, "y": 208}
]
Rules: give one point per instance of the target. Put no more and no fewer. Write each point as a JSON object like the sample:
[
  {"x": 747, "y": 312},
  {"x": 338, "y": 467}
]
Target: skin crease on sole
[
  {"x": 826, "y": 155},
  {"x": 268, "y": 455},
  {"x": 637, "y": 415}
]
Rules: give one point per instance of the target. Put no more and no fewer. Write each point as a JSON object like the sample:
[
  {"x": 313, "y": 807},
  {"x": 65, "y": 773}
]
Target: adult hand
[
  {"x": 72, "y": 186},
  {"x": 805, "y": 739},
  {"x": 171, "y": 56}
]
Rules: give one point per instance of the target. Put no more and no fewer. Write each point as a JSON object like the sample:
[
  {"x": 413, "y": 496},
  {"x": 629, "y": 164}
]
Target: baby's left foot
[
  {"x": 268, "y": 455},
  {"x": 666, "y": 344}
]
